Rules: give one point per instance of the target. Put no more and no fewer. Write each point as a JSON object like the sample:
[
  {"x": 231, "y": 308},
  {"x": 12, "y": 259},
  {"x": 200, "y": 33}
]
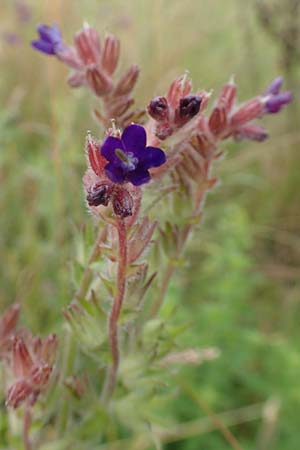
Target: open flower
[
  {"x": 50, "y": 39},
  {"x": 129, "y": 158},
  {"x": 274, "y": 99}
]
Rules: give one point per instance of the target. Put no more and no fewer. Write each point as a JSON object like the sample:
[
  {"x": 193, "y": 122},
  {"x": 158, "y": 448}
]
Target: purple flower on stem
[
  {"x": 50, "y": 39},
  {"x": 274, "y": 99},
  {"x": 128, "y": 158}
]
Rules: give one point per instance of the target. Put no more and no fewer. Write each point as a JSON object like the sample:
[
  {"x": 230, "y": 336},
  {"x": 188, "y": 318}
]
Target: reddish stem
[
  {"x": 115, "y": 312},
  {"x": 26, "y": 427}
]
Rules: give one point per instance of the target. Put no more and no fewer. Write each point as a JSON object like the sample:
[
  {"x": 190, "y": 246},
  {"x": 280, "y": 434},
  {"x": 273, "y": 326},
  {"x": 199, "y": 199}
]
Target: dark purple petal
[
  {"x": 115, "y": 174},
  {"x": 108, "y": 149},
  {"x": 134, "y": 139},
  {"x": 152, "y": 157},
  {"x": 43, "y": 47},
  {"x": 50, "y": 40},
  {"x": 274, "y": 87},
  {"x": 50, "y": 34},
  {"x": 276, "y": 102},
  {"x": 138, "y": 176}
]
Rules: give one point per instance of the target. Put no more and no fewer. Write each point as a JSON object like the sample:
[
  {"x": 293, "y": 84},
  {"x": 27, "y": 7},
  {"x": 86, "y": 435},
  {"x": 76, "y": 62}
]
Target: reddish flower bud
[
  {"x": 178, "y": 89},
  {"x": 110, "y": 54},
  {"x": 99, "y": 194},
  {"x": 218, "y": 120},
  {"x": 96, "y": 160},
  {"x": 158, "y": 109},
  {"x": 227, "y": 96},
  {"x": 120, "y": 105},
  {"x": 17, "y": 393},
  {"x": 251, "y": 131},
  {"x": 98, "y": 81},
  {"x": 39, "y": 375},
  {"x": 189, "y": 106},
  {"x": 87, "y": 43},
  {"x": 127, "y": 81},
  {"x": 76, "y": 79},
  {"x": 22, "y": 361},
  {"x": 250, "y": 110},
  {"x": 122, "y": 203},
  {"x": 69, "y": 56},
  {"x": 8, "y": 321}
]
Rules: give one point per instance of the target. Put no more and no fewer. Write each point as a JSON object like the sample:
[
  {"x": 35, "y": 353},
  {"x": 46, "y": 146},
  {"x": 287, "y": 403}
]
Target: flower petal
[
  {"x": 43, "y": 47},
  {"x": 138, "y": 176},
  {"x": 274, "y": 87},
  {"x": 108, "y": 149},
  {"x": 134, "y": 138},
  {"x": 50, "y": 34},
  {"x": 152, "y": 157},
  {"x": 277, "y": 102},
  {"x": 115, "y": 174}
]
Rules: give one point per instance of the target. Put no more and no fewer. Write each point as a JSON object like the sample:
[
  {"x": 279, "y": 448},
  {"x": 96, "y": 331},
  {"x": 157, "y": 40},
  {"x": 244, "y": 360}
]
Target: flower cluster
[
  {"x": 29, "y": 361},
  {"x": 176, "y": 109},
  {"x": 117, "y": 162},
  {"x": 93, "y": 65}
]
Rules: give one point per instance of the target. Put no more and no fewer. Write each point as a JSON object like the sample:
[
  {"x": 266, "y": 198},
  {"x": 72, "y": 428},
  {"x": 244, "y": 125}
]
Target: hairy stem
[
  {"x": 115, "y": 313},
  {"x": 26, "y": 428}
]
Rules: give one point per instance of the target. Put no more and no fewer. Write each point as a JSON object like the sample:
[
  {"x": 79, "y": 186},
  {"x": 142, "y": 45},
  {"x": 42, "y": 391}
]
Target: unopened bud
[
  {"x": 180, "y": 88},
  {"x": 99, "y": 194},
  {"x": 87, "y": 43},
  {"x": 159, "y": 109},
  {"x": 110, "y": 54},
  {"x": 227, "y": 96},
  {"x": 127, "y": 81},
  {"x": 218, "y": 120},
  {"x": 122, "y": 203},
  {"x": 250, "y": 110},
  {"x": 76, "y": 79},
  {"x": 96, "y": 160},
  {"x": 98, "y": 81},
  {"x": 252, "y": 132}
]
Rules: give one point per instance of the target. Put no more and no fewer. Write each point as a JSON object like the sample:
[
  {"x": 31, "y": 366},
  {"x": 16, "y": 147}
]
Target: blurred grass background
[{"x": 241, "y": 285}]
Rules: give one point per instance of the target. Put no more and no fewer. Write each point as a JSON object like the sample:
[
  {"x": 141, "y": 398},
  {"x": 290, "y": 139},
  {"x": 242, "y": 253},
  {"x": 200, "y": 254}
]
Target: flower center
[{"x": 128, "y": 160}]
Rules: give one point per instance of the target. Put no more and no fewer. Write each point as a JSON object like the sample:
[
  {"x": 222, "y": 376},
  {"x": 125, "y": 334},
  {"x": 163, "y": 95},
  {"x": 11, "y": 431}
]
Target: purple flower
[
  {"x": 274, "y": 99},
  {"x": 128, "y": 158},
  {"x": 50, "y": 40}
]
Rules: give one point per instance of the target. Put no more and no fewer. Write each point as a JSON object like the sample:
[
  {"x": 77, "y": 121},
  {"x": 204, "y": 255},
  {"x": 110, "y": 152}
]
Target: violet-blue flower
[
  {"x": 128, "y": 158},
  {"x": 50, "y": 39},
  {"x": 276, "y": 100}
]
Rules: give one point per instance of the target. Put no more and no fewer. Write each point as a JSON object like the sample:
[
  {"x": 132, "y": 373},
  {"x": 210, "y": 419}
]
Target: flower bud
[
  {"x": 96, "y": 160},
  {"x": 250, "y": 110},
  {"x": 120, "y": 106},
  {"x": 218, "y": 120},
  {"x": 181, "y": 87},
  {"x": 227, "y": 96},
  {"x": 252, "y": 132},
  {"x": 189, "y": 106},
  {"x": 99, "y": 194},
  {"x": 127, "y": 81},
  {"x": 98, "y": 81},
  {"x": 17, "y": 393},
  {"x": 87, "y": 43},
  {"x": 9, "y": 320},
  {"x": 122, "y": 203},
  {"x": 110, "y": 54},
  {"x": 158, "y": 109},
  {"x": 76, "y": 79}
]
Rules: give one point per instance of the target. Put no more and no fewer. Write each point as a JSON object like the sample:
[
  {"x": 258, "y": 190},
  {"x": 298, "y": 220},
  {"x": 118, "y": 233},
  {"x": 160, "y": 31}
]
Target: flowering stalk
[
  {"x": 115, "y": 312},
  {"x": 171, "y": 157}
]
